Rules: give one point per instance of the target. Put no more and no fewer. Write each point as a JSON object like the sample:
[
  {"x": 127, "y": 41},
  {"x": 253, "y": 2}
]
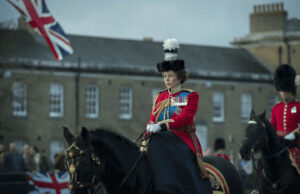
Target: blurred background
[{"x": 230, "y": 48}]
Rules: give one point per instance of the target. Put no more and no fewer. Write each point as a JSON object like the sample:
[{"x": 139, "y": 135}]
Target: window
[
  {"x": 246, "y": 107},
  {"x": 56, "y": 146},
  {"x": 125, "y": 103},
  {"x": 56, "y": 100},
  {"x": 91, "y": 101},
  {"x": 19, "y": 143},
  {"x": 201, "y": 132},
  {"x": 218, "y": 107},
  {"x": 19, "y": 99},
  {"x": 154, "y": 92},
  {"x": 272, "y": 100}
]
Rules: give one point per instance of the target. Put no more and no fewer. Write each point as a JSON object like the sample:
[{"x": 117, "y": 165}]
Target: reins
[
  {"x": 258, "y": 169},
  {"x": 117, "y": 188}
]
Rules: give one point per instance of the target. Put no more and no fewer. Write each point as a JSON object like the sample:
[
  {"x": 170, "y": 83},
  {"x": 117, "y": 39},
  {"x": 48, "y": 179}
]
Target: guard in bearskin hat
[
  {"x": 219, "y": 148},
  {"x": 285, "y": 115},
  {"x": 172, "y": 119}
]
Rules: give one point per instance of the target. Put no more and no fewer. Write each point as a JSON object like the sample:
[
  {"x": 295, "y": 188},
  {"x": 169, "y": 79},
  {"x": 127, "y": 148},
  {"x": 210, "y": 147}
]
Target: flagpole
[{"x": 77, "y": 80}]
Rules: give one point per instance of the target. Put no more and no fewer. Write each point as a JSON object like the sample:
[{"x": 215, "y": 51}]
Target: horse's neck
[
  {"x": 275, "y": 164},
  {"x": 118, "y": 160}
]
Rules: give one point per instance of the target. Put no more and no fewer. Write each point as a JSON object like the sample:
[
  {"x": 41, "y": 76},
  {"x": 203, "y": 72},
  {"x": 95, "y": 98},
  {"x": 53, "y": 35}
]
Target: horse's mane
[
  {"x": 101, "y": 134},
  {"x": 272, "y": 134},
  {"x": 114, "y": 145}
]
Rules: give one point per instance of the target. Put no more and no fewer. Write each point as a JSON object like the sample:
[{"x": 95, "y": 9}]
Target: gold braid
[{"x": 161, "y": 106}]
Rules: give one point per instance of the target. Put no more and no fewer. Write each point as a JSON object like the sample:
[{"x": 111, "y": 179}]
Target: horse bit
[{"x": 72, "y": 152}]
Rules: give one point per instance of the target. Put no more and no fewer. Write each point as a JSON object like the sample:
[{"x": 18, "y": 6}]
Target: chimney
[
  {"x": 268, "y": 18},
  {"x": 148, "y": 39}
]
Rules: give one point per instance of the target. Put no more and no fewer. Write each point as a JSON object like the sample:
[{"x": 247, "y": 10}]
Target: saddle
[{"x": 294, "y": 154}]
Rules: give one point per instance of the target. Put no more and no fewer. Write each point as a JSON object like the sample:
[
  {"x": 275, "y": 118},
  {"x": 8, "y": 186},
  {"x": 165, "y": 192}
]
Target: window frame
[
  {"x": 246, "y": 106},
  {"x": 56, "y": 89},
  {"x": 89, "y": 99},
  {"x": 127, "y": 114},
  {"x": 19, "y": 101},
  {"x": 219, "y": 98}
]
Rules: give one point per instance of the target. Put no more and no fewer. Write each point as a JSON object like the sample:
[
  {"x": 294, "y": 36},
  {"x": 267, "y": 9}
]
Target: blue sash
[{"x": 172, "y": 109}]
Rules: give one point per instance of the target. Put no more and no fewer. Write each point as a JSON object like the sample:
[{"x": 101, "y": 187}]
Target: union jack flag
[
  {"x": 50, "y": 183},
  {"x": 37, "y": 15}
]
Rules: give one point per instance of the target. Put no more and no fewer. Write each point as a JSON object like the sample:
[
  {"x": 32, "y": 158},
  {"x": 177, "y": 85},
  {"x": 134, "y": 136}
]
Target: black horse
[
  {"x": 101, "y": 157},
  {"x": 277, "y": 174}
]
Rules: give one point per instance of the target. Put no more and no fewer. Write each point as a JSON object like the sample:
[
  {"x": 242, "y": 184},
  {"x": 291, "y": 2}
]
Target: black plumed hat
[
  {"x": 284, "y": 79},
  {"x": 175, "y": 65},
  {"x": 171, "y": 62},
  {"x": 219, "y": 143}
]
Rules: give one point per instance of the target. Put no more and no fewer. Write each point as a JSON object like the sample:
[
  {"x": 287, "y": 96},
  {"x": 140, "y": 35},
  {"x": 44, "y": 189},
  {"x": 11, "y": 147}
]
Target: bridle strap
[
  {"x": 74, "y": 184},
  {"x": 277, "y": 153}
]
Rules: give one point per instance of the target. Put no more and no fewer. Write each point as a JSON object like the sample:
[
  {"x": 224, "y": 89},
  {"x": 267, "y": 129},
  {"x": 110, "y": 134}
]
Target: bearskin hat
[
  {"x": 171, "y": 62},
  {"x": 219, "y": 144},
  {"x": 284, "y": 79}
]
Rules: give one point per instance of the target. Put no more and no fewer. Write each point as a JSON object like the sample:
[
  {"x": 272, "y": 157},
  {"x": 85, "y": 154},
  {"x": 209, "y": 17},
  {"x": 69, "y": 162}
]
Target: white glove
[
  {"x": 154, "y": 128},
  {"x": 149, "y": 125},
  {"x": 290, "y": 136}
]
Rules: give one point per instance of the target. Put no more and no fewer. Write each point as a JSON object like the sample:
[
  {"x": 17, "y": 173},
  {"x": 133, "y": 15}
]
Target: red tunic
[
  {"x": 223, "y": 156},
  {"x": 286, "y": 117},
  {"x": 177, "y": 109}
]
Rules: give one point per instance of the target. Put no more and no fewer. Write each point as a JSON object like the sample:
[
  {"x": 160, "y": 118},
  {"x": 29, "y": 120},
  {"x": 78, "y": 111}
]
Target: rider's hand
[
  {"x": 148, "y": 127},
  {"x": 154, "y": 128},
  {"x": 290, "y": 136}
]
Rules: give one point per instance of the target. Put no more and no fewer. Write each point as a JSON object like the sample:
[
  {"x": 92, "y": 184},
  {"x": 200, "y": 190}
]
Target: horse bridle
[
  {"x": 253, "y": 144},
  {"x": 258, "y": 169},
  {"x": 73, "y": 152}
]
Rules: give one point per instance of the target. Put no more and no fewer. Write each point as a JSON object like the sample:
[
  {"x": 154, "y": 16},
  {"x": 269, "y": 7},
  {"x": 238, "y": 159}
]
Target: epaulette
[
  {"x": 161, "y": 91},
  {"x": 156, "y": 96},
  {"x": 188, "y": 90}
]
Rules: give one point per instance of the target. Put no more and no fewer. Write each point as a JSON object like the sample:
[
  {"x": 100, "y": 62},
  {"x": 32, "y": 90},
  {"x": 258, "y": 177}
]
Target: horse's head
[
  {"x": 256, "y": 135},
  {"x": 82, "y": 162}
]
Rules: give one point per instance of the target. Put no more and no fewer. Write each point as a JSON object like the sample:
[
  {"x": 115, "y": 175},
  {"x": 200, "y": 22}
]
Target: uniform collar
[
  {"x": 292, "y": 100},
  {"x": 175, "y": 89}
]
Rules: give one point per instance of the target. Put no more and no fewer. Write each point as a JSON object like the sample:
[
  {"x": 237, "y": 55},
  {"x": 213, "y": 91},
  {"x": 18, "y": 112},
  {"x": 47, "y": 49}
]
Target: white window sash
[
  {"x": 92, "y": 101},
  {"x": 19, "y": 99},
  {"x": 56, "y": 100},
  {"x": 246, "y": 106},
  {"x": 125, "y": 103},
  {"x": 218, "y": 107}
]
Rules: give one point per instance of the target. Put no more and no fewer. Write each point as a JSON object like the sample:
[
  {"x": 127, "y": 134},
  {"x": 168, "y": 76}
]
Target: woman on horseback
[
  {"x": 286, "y": 114},
  {"x": 173, "y": 114}
]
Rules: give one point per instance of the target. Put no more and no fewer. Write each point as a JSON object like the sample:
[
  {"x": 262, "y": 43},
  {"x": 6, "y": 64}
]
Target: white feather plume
[{"x": 170, "y": 44}]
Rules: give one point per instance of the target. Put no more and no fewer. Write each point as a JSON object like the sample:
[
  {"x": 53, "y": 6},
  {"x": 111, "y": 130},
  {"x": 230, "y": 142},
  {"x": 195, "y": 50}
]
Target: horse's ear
[
  {"x": 263, "y": 115},
  {"x": 252, "y": 114},
  {"x": 85, "y": 135},
  {"x": 68, "y": 135}
]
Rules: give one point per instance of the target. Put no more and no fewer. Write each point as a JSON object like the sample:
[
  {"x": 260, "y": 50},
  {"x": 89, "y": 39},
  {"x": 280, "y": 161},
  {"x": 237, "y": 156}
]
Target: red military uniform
[
  {"x": 223, "y": 156},
  {"x": 286, "y": 117},
  {"x": 176, "y": 109}
]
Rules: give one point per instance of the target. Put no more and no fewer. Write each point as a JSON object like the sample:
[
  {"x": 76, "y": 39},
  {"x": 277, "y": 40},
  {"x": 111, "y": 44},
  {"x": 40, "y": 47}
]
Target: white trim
[
  {"x": 125, "y": 103},
  {"x": 19, "y": 104},
  {"x": 139, "y": 78},
  {"x": 56, "y": 94},
  {"x": 252, "y": 122},
  {"x": 246, "y": 106},
  {"x": 91, "y": 98},
  {"x": 218, "y": 102}
]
